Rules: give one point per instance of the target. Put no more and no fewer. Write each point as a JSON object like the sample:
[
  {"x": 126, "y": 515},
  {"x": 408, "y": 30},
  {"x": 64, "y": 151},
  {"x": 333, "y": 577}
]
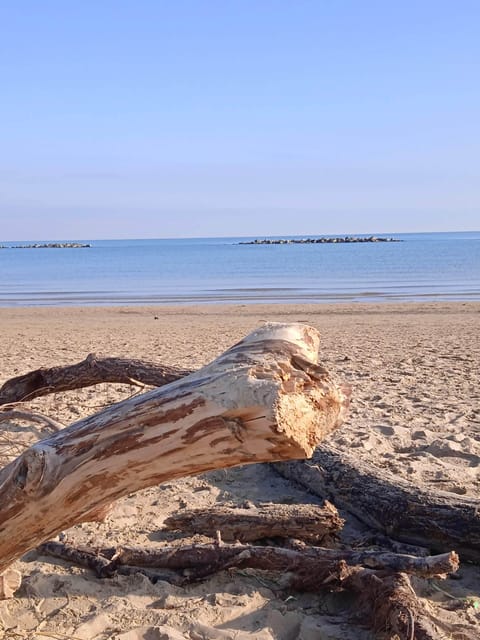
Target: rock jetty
[
  {"x": 49, "y": 245},
  {"x": 323, "y": 240}
]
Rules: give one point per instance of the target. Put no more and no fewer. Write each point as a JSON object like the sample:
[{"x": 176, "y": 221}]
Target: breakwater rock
[
  {"x": 323, "y": 240},
  {"x": 49, "y": 245}
]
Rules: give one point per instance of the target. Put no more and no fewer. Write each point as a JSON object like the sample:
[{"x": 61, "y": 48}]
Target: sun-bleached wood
[
  {"x": 10, "y": 581},
  {"x": 264, "y": 399}
]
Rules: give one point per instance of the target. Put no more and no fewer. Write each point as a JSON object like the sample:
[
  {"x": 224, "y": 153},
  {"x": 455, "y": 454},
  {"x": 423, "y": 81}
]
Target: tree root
[{"x": 386, "y": 596}]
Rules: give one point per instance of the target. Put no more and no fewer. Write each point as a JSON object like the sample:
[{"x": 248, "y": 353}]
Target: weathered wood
[
  {"x": 308, "y": 566},
  {"x": 389, "y": 604},
  {"x": 387, "y": 495},
  {"x": 439, "y": 521},
  {"x": 82, "y": 557},
  {"x": 387, "y": 601},
  {"x": 309, "y": 522},
  {"x": 420, "y": 566},
  {"x": 93, "y": 370},
  {"x": 37, "y": 418},
  {"x": 10, "y": 581},
  {"x": 264, "y": 399}
]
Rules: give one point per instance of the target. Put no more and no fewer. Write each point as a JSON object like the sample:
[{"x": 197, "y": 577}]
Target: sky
[{"x": 151, "y": 118}]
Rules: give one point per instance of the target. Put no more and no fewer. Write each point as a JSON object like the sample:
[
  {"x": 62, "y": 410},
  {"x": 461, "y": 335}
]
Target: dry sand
[{"x": 415, "y": 373}]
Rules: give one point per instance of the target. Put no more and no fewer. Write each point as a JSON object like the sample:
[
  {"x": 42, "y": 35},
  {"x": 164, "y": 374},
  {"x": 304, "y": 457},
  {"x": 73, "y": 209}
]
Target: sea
[{"x": 421, "y": 267}]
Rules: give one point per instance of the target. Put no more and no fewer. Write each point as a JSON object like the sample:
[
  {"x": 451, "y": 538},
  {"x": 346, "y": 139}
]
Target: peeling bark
[
  {"x": 264, "y": 399},
  {"x": 307, "y": 522}
]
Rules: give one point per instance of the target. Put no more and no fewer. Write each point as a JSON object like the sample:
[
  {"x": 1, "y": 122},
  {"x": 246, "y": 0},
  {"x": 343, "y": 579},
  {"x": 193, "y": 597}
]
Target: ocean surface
[{"x": 426, "y": 266}]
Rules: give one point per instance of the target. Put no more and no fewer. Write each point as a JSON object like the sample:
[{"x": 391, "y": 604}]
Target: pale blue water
[{"x": 436, "y": 266}]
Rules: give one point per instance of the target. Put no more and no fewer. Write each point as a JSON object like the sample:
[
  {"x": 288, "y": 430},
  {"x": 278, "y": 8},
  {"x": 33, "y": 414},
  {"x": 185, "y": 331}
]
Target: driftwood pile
[
  {"x": 387, "y": 600},
  {"x": 264, "y": 400}
]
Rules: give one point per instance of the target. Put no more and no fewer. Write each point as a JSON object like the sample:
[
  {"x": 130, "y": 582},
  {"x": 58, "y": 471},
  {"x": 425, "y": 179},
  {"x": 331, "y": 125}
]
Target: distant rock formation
[{"x": 323, "y": 240}]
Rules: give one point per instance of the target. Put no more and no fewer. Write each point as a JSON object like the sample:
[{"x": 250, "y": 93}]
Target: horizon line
[{"x": 222, "y": 237}]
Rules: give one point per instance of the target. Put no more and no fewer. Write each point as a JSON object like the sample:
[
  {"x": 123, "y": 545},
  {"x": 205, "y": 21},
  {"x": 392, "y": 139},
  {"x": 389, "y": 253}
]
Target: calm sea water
[{"x": 429, "y": 266}]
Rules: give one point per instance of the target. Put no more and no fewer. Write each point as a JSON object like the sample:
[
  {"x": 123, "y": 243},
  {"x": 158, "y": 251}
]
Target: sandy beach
[{"x": 415, "y": 374}]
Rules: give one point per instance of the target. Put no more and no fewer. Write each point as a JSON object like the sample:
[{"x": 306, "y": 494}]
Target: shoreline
[
  {"x": 65, "y": 301},
  {"x": 347, "y": 306}
]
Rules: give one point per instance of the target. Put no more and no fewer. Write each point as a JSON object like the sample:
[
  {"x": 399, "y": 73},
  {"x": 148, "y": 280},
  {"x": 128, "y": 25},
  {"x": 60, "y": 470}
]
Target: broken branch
[{"x": 264, "y": 399}]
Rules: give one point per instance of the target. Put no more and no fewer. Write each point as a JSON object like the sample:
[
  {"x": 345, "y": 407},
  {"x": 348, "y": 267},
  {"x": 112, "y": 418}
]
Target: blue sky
[{"x": 198, "y": 118}]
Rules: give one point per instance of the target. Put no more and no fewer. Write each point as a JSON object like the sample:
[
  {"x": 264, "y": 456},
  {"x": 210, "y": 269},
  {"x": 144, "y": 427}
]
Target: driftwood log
[
  {"x": 93, "y": 370},
  {"x": 308, "y": 522},
  {"x": 386, "y": 598},
  {"x": 437, "y": 520},
  {"x": 264, "y": 399},
  {"x": 308, "y": 569},
  {"x": 377, "y": 498},
  {"x": 360, "y": 494},
  {"x": 387, "y": 601}
]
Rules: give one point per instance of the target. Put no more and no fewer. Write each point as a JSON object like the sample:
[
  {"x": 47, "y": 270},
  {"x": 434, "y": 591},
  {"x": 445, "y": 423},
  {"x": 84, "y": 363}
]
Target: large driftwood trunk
[
  {"x": 265, "y": 399},
  {"x": 463, "y": 513},
  {"x": 439, "y": 521}
]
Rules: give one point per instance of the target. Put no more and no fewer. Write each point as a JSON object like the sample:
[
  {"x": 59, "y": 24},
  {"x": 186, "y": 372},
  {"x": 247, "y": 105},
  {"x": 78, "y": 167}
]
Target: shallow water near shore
[{"x": 427, "y": 266}]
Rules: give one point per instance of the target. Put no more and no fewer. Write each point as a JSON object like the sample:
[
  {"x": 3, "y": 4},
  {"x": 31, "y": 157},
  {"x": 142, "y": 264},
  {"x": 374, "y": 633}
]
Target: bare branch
[
  {"x": 93, "y": 370},
  {"x": 37, "y": 418}
]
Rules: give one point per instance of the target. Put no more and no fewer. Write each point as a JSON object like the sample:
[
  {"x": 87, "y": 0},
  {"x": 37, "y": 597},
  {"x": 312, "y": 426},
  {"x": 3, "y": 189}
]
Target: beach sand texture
[{"x": 415, "y": 374}]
